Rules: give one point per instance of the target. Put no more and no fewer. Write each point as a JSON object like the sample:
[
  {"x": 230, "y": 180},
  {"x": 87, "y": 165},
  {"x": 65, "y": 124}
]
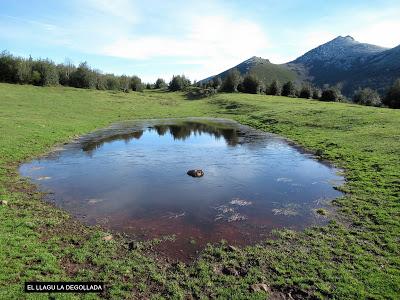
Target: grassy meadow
[{"x": 356, "y": 256}]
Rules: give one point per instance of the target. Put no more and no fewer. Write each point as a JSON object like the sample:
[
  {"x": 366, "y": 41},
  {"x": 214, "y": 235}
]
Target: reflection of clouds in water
[
  {"x": 43, "y": 178},
  {"x": 284, "y": 179},
  {"x": 290, "y": 209},
  {"x": 94, "y": 201},
  {"x": 143, "y": 176}
]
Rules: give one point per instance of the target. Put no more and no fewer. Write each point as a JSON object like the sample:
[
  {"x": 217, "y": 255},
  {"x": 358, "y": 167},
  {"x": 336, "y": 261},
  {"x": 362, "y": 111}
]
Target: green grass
[{"x": 356, "y": 256}]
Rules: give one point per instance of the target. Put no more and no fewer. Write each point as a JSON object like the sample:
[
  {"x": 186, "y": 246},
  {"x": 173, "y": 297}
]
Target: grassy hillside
[
  {"x": 356, "y": 256},
  {"x": 265, "y": 71}
]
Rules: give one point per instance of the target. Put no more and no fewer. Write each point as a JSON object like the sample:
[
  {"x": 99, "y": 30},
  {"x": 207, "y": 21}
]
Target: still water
[{"x": 131, "y": 177}]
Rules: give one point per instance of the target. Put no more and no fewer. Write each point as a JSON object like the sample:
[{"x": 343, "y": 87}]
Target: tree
[
  {"x": 274, "y": 88},
  {"x": 83, "y": 77},
  {"x": 331, "y": 94},
  {"x": 136, "y": 84},
  {"x": 306, "y": 91},
  {"x": 216, "y": 82},
  {"x": 368, "y": 97},
  {"x": 101, "y": 82},
  {"x": 231, "y": 81},
  {"x": 124, "y": 83},
  {"x": 251, "y": 84},
  {"x": 316, "y": 93},
  {"x": 289, "y": 89},
  {"x": 64, "y": 72},
  {"x": 48, "y": 72},
  {"x": 160, "y": 84},
  {"x": 8, "y": 68},
  {"x": 392, "y": 98},
  {"x": 178, "y": 83},
  {"x": 24, "y": 70},
  {"x": 109, "y": 81}
]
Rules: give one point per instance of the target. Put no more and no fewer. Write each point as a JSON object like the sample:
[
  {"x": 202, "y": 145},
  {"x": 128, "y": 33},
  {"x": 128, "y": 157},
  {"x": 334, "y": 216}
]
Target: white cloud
[
  {"x": 384, "y": 33},
  {"x": 214, "y": 42}
]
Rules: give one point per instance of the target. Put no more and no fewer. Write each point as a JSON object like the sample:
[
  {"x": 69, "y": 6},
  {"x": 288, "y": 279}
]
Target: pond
[{"x": 132, "y": 177}]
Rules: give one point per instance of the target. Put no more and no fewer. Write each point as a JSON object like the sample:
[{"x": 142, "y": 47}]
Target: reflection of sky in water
[{"x": 140, "y": 181}]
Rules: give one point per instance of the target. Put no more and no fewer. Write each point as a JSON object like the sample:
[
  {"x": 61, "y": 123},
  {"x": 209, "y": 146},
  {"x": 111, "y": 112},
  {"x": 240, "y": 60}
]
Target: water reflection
[{"x": 132, "y": 177}]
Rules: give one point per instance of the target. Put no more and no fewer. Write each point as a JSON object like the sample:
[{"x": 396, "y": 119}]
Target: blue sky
[{"x": 196, "y": 38}]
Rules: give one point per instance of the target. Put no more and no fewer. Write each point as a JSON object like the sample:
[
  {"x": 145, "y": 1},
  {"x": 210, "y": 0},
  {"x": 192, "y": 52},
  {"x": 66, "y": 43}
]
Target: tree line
[
  {"x": 44, "y": 72},
  {"x": 235, "y": 82}
]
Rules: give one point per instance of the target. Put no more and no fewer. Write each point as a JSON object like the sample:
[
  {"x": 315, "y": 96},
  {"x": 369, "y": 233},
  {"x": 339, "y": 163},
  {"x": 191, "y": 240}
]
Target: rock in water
[{"x": 195, "y": 173}]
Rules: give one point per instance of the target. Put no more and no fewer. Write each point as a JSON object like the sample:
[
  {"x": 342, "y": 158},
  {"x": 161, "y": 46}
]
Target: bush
[
  {"x": 306, "y": 92},
  {"x": 216, "y": 82},
  {"x": 160, "y": 84},
  {"x": 178, "y": 83},
  {"x": 83, "y": 77},
  {"x": 251, "y": 84},
  {"x": 367, "y": 97},
  {"x": 124, "y": 83},
  {"x": 112, "y": 82},
  {"x": 289, "y": 89},
  {"x": 8, "y": 68},
  {"x": 231, "y": 81},
  {"x": 64, "y": 72},
  {"x": 48, "y": 72},
  {"x": 136, "y": 84},
  {"x": 24, "y": 70},
  {"x": 274, "y": 88},
  {"x": 101, "y": 82},
  {"x": 331, "y": 94},
  {"x": 392, "y": 98},
  {"x": 199, "y": 92}
]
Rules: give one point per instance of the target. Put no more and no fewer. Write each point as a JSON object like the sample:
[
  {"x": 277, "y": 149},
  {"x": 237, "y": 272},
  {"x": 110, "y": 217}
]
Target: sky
[{"x": 155, "y": 39}]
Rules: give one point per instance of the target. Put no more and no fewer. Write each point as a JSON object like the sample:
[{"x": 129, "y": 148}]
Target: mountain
[
  {"x": 342, "y": 61},
  {"x": 263, "y": 69},
  {"x": 349, "y": 63}
]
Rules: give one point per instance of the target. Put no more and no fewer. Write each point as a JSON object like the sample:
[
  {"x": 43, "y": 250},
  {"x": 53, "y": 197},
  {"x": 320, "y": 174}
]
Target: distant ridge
[
  {"x": 342, "y": 60},
  {"x": 263, "y": 69}
]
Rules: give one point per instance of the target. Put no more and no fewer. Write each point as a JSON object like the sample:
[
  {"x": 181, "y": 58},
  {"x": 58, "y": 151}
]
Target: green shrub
[
  {"x": 136, "y": 84},
  {"x": 368, "y": 97},
  {"x": 48, "y": 72},
  {"x": 178, "y": 83},
  {"x": 231, "y": 81},
  {"x": 306, "y": 91},
  {"x": 251, "y": 84},
  {"x": 289, "y": 89},
  {"x": 83, "y": 77},
  {"x": 392, "y": 98},
  {"x": 274, "y": 88},
  {"x": 160, "y": 84},
  {"x": 216, "y": 82},
  {"x": 332, "y": 94}
]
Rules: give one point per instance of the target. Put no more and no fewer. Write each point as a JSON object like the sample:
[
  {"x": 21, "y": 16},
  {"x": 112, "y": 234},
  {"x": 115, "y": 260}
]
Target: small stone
[
  {"x": 108, "y": 237},
  {"x": 195, "y": 173},
  {"x": 3, "y": 202},
  {"x": 260, "y": 287}
]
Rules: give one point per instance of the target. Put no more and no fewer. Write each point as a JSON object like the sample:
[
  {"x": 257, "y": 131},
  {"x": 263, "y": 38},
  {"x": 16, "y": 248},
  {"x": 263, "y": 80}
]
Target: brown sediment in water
[{"x": 131, "y": 178}]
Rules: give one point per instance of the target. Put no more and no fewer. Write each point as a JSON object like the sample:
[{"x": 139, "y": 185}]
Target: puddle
[{"x": 131, "y": 177}]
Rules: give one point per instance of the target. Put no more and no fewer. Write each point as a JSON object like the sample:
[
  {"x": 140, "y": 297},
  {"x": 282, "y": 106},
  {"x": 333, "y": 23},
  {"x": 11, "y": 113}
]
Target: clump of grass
[{"x": 321, "y": 211}]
